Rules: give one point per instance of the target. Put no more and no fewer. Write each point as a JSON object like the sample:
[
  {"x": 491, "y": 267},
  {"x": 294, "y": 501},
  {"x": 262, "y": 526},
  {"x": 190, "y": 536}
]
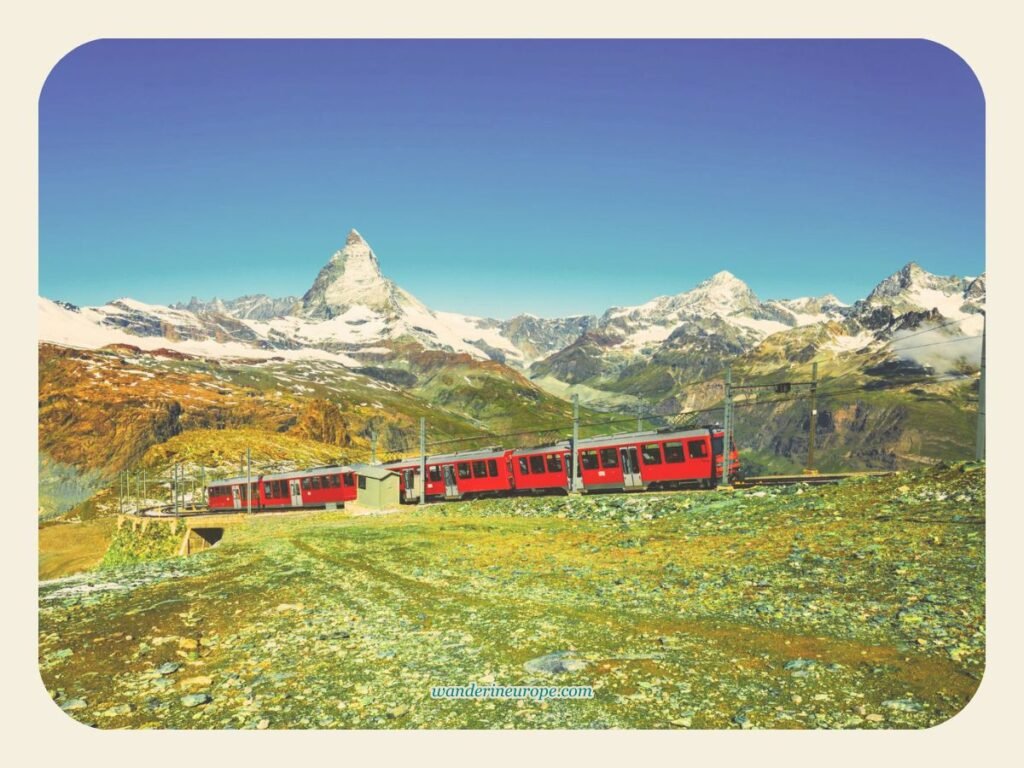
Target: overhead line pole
[
  {"x": 423, "y": 459},
  {"x": 726, "y": 428},
  {"x": 248, "y": 481},
  {"x": 814, "y": 417},
  {"x": 575, "y": 454}
]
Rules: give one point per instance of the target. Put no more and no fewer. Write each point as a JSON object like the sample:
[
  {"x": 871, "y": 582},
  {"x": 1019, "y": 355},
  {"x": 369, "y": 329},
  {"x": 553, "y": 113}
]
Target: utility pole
[
  {"x": 726, "y": 428},
  {"x": 174, "y": 487},
  {"x": 640, "y": 416},
  {"x": 574, "y": 455},
  {"x": 814, "y": 417},
  {"x": 145, "y": 493},
  {"x": 120, "y": 491},
  {"x": 979, "y": 444},
  {"x": 248, "y": 481},
  {"x": 423, "y": 459}
]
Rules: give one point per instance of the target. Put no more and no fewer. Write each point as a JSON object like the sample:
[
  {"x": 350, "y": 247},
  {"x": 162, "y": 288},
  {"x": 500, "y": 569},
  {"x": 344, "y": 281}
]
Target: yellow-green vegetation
[
  {"x": 66, "y": 548},
  {"x": 222, "y": 448},
  {"x": 104, "y": 411},
  {"x": 141, "y": 541},
  {"x": 859, "y": 605}
]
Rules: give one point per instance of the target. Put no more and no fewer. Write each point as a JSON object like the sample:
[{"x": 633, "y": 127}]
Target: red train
[
  {"x": 628, "y": 461},
  {"x": 302, "y": 488}
]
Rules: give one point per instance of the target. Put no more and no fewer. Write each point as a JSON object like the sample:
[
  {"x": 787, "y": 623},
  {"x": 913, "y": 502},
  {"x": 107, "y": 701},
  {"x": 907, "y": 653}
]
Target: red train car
[
  {"x": 230, "y": 494},
  {"x": 470, "y": 474},
  {"x": 311, "y": 488},
  {"x": 285, "y": 490},
  {"x": 541, "y": 470},
  {"x": 653, "y": 460}
]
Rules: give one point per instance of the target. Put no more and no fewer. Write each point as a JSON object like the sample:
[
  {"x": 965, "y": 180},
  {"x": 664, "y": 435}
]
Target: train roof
[
  {"x": 649, "y": 435},
  {"x": 231, "y": 481},
  {"x": 483, "y": 453},
  {"x": 315, "y": 472},
  {"x": 560, "y": 446}
]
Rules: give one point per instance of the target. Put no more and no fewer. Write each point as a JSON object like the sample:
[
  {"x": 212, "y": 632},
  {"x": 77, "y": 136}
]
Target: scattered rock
[
  {"x": 902, "y": 705},
  {"x": 195, "y": 699},
  {"x": 555, "y": 663}
]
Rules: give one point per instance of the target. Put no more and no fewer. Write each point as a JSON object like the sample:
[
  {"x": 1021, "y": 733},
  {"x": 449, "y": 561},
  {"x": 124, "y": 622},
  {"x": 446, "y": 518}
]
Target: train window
[
  {"x": 464, "y": 470},
  {"x": 537, "y": 464},
  {"x": 674, "y": 452},
  {"x": 716, "y": 445},
  {"x": 479, "y": 469},
  {"x": 316, "y": 482},
  {"x": 554, "y": 462},
  {"x": 492, "y": 467},
  {"x": 306, "y": 484},
  {"x": 651, "y": 453},
  {"x": 434, "y": 473},
  {"x": 349, "y": 481},
  {"x": 588, "y": 459},
  {"x": 524, "y": 466},
  {"x": 268, "y": 490},
  {"x": 362, "y": 482},
  {"x": 609, "y": 458},
  {"x": 698, "y": 449}
]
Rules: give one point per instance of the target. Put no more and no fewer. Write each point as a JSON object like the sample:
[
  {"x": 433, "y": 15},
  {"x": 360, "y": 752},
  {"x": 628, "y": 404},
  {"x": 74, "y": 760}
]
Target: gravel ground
[{"x": 859, "y": 605}]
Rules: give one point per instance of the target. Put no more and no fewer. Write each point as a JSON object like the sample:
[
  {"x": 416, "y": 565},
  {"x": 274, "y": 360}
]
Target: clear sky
[{"x": 494, "y": 177}]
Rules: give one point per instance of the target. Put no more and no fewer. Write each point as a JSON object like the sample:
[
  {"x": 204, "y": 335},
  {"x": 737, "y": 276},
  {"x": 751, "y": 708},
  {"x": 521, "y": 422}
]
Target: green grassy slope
[{"x": 853, "y": 606}]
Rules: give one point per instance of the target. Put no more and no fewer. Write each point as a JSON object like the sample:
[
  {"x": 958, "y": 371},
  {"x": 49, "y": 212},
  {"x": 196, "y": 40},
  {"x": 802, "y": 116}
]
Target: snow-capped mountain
[
  {"x": 355, "y": 315},
  {"x": 350, "y": 313},
  {"x": 912, "y": 289},
  {"x": 256, "y": 307},
  {"x": 723, "y": 297}
]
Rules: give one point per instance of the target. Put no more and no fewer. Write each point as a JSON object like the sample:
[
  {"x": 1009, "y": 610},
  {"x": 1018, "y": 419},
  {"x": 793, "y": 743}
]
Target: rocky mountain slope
[{"x": 116, "y": 379}]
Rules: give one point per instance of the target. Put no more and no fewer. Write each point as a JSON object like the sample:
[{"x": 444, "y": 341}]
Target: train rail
[
  {"x": 810, "y": 478},
  {"x": 168, "y": 510}
]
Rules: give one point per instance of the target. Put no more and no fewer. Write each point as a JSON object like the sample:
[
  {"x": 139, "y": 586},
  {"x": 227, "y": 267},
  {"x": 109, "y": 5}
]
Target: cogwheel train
[{"x": 632, "y": 461}]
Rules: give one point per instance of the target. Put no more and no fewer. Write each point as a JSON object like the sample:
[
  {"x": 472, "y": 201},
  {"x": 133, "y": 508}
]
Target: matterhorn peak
[{"x": 351, "y": 278}]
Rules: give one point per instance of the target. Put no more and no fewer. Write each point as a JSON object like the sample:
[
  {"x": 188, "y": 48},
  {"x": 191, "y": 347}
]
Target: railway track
[
  {"x": 747, "y": 482},
  {"x": 809, "y": 478}
]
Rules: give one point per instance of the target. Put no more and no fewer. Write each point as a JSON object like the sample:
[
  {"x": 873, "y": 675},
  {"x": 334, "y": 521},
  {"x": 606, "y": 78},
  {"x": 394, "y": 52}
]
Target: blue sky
[{"x": 494, "y": 177}]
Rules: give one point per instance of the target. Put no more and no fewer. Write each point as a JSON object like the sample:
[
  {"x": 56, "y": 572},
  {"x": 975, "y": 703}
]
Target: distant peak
[
  {"x": 725, "y": 276},
  {"x": 354, "y": 238},
  {"x": 724, "y": 279}
]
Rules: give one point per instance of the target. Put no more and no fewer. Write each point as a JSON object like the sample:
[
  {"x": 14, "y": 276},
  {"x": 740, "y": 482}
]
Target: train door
[
  {"x": 236, "y": 497},
  {"x": 412, "y": 486},
  {"x": 630, "y": 467},
  {"x": 451, "y": 485},
  {"x": 295, "y": 486}
]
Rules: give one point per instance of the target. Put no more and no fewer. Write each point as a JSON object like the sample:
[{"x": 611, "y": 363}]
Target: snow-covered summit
[
  {"x": 914, "y": 289},
  {"x": 351, "y": 278}
]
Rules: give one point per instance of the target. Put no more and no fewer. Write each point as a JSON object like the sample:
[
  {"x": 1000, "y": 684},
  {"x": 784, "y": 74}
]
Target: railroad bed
[{"x": 746, "y": 482}]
